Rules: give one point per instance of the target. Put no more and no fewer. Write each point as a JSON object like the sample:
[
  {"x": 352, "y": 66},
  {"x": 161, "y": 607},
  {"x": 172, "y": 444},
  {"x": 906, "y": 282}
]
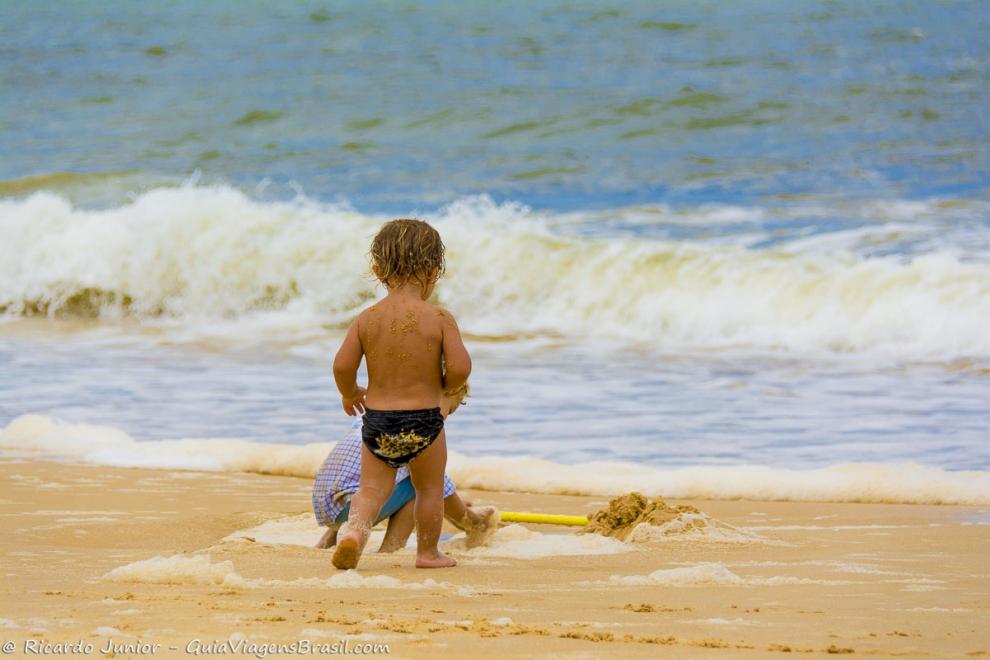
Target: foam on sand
[
  {"x": 696, "y": 527},
  {"x": 717, "y": 621},
  {"x": 855, "y": 482},
  {"x": 519, "y": 542},
  {"x": 300, "y": 530},
  {"x": 834, "y": 565},
  {"x": 178, "y": 569},
  {"x": 908, "y": 483},
  {"x": 201, "y": 570},
  {"x": 513, "y": 541},
  {"x": 709, "y": 573},
  {"x": 104, "y": 445}
]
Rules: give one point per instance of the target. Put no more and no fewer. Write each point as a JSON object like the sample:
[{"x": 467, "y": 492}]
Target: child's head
[{"x": 407, "y": 250}]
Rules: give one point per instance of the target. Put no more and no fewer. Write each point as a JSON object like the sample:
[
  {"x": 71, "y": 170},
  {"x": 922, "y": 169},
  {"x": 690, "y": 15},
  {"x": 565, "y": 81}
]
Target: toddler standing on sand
[
  {"x": 414, "y": 354},
  {"x": 340, "y": 476}
]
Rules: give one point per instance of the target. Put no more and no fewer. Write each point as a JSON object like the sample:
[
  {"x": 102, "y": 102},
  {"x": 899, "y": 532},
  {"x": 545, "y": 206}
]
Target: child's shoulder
[
  {"x": 445, "y": 319},
  {"x": 441, "y": 313},
  {"x": 369, "y": 312}
]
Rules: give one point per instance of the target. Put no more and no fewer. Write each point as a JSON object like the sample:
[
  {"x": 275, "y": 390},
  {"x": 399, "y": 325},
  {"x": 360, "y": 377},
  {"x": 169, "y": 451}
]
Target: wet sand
[{"x": 130, "y": 555}]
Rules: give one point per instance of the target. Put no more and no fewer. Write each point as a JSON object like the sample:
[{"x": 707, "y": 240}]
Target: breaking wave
[{"x": 206, "y": 255}]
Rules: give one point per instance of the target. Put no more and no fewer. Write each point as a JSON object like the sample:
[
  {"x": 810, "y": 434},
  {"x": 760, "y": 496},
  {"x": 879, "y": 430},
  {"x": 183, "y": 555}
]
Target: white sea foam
[
  {"x": 71, "y": 512},
  {"x": 198, "y": 257},
  {"x": 695, "y": 527},
  {"x": 805, "y": 528},
  {"x": 834, "y": 565},
  {"x": 919, "y": 584},
  {"x": 726, "y": 622},
  {"x": 709, "y": 574},
  {"x": 105, "y": 445},
  {"x": 201, "y": 570},
  {"x": 354, "y": 580},
  {"x": 292, "y": 530},
  {"x": 301, "y": 530},
  {"x": 857, "y": 482},
  {"x": 520, "y": 542},
  {"x": 316, "y": 633},
  {"x": 178, "y": 569},
  {"x": 511, "y": 541},
  {"x": 854, "y": 482}
]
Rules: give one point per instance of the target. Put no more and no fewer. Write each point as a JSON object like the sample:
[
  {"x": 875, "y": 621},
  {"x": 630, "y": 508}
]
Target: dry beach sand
[{"x": 94, "y": 553}]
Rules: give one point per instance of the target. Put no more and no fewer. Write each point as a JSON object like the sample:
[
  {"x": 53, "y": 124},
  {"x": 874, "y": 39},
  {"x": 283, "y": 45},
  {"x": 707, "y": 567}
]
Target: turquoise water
[
  {"x": 680, "y": 234},
  {"x": 560, "y": 105}
]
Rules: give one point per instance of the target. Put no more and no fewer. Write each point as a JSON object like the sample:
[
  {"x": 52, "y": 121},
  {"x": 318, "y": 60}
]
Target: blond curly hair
[{"x": 407, "y": 249}]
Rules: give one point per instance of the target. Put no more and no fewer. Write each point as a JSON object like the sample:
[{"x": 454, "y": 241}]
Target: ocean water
[{"x": 736, "y": 245}]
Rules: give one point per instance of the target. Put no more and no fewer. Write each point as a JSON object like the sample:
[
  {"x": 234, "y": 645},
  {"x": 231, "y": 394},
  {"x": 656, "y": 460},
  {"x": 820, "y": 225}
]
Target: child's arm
[
  {"x": 345, "y": 367},
  {"x": 457, "y": 362}
]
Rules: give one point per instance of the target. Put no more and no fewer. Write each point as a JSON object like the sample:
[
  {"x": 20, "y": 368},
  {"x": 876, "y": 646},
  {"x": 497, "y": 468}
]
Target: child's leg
[
  {"x": 377, "y": 481},
  {"x": 426, "y": 471},
  {"x": 400, "y": 526}
]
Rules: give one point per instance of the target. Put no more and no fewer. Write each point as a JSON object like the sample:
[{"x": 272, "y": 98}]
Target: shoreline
[
  {"x": 162, "y": 557},
  {"x": 894, "y": 482}
]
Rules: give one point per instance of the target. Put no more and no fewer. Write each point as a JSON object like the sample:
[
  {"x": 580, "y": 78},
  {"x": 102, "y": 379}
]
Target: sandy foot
[
  {"x": 347, "y": 553},
  {"x": 439, "y": 561}
]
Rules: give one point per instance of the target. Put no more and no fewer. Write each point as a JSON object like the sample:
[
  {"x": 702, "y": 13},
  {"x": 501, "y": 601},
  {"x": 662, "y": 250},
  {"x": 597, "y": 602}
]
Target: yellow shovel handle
[{"x": 543, "y": 518}]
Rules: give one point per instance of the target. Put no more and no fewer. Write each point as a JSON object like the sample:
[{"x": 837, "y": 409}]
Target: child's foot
[
  {"x": 348, "y": 552},
  {"x": 482, "y": 525},
  {"x": 438, "y": 560}
]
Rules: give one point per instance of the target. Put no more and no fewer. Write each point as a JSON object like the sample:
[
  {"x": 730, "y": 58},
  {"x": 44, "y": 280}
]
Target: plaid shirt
[{"x": 340, "y": 476}]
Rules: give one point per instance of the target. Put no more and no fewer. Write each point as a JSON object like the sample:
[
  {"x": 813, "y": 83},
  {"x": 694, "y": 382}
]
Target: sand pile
[
  {"x": 626, "y": 512},
  {"x": 634, "y": 519}
]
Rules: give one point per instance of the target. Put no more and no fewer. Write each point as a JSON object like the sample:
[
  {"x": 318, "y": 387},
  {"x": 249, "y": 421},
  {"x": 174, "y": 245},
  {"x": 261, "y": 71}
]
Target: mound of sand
[
  {"x": 634, "y": 519},
  {"x": 626, "y": 512}
]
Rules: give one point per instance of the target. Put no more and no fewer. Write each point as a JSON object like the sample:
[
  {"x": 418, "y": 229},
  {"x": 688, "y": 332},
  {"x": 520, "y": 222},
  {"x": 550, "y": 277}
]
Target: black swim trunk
[{"x": 398, "y": 436}]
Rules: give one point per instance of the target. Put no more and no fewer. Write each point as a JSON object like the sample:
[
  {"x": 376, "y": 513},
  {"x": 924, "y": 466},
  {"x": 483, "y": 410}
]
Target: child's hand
[
  {"x": 451, "y": 401},
  {"x": 354, "y": 404},
  {"x": 448, "y": 404}
]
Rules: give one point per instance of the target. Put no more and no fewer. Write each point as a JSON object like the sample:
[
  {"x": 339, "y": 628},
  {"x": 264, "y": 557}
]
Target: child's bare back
[{"x": 403, "y": 344}]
